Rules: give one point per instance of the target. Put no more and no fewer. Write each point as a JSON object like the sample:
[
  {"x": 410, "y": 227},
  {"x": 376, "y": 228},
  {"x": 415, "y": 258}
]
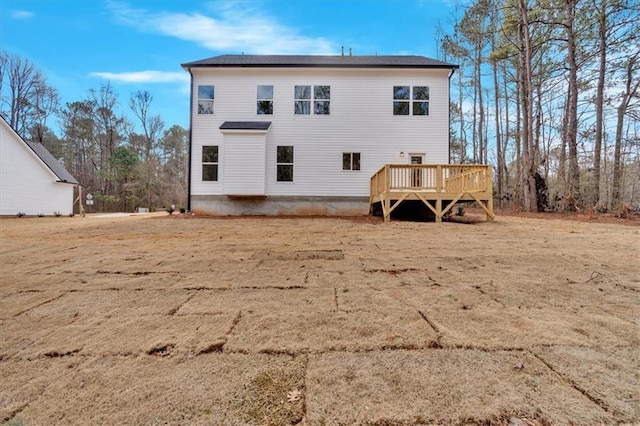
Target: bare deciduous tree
[{"x": 27, "y": 99}]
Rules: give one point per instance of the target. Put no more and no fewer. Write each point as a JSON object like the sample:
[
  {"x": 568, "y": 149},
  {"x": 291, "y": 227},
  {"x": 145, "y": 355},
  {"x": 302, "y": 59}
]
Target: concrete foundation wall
[{"x": 221, "y": 205}]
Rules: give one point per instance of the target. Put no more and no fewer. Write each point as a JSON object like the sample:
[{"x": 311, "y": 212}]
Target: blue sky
[{"x": 139, "y": 45}]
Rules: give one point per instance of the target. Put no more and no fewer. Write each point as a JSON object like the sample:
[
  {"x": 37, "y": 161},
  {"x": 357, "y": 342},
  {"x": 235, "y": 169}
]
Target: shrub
[
  {"x": 57, "y": 214},
  {"x": 40, "y": 214},
  {"x": 20, "y": 214}
]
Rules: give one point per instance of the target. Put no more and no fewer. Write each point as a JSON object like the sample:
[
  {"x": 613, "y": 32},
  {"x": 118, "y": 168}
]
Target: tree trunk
[
  {"x": 463, "y": 139},
  {"x": 617, "y": 161},
  {"x": 562, "y": 162},
  {"x": 505, "y": 171},
  {"x": 617, "y": 195},
  {"x": 597, "y": 149},
  {"x": 518, "y": 140},
  {"x": 481, "y": 140},
  {"x": 474, "y": 123},
  {"x": 573, "y": 187},
  {"x": 528, "y": 153},
  {"x": 499, "y": 160}
]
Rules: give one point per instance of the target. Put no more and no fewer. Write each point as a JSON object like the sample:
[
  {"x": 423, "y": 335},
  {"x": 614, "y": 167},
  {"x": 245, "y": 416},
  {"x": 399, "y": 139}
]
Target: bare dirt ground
[{"x": 132, "y": 320}]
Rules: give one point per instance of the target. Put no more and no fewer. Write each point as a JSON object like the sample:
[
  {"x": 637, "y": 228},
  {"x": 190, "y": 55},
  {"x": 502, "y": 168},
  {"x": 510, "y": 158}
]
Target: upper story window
[
  {"x": 210, "y": 163},
  {"x": 410, "y": 102},
  {"x": 321, "y": 100},
  {"x": 206, "y": 96},
  {"x": 305, "y": 96},
  {"x": 265, "y": 100},
  {"x": 302, "y": 100},
  {"x": 350, "y": 161},
  {"x": 420, "y": 100},
  {"x": 401, "y": 96}
]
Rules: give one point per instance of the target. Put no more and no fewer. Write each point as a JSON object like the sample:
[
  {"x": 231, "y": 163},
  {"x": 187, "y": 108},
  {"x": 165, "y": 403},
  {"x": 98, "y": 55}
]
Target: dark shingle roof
[
  {"x": 55, "y": 166},
  {"x": 317, "y": 61},
  {"x": 245, "y": 125}
]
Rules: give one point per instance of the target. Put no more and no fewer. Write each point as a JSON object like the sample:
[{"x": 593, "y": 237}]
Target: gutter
[
  {"x": 316, "y": 65},
  {"x": 453, "y": 71},
  {"x": 190, "y": 142}
]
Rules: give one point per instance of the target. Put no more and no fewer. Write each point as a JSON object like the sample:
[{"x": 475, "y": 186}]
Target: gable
[{"x": 41, "y": 156}]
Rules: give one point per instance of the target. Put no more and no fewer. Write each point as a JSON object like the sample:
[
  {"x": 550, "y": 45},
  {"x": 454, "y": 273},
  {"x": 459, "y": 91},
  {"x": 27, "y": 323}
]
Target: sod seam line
[
  {"x": 177, "y": 308},
  {"x": 13, "y": 413},
  {"x": 599, "y": 402},
  {"x": 433, "y": 326},
  {"x": 477, "y": 287},
  {"x": 39, "y": 304}
]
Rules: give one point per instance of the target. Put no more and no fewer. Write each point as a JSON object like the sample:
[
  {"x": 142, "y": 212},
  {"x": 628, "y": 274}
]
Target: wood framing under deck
[{"x": 442, "y": 184}]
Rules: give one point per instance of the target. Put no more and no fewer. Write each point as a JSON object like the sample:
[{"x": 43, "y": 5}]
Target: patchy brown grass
[
  {"x": 449, "y": 386},
  {"x": 274, "y": 397},
  {"x": 125, "y": 320}
]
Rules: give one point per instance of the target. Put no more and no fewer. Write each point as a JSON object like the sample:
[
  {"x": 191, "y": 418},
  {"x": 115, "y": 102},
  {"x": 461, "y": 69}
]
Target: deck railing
[{"x": 439, "y": 178}]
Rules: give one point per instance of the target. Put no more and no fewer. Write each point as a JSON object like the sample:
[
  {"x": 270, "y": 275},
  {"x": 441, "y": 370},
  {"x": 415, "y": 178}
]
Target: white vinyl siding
[
  {"x": 361, "y": 121},
  {"x": 27, "y": 185},
  {"x": 244, "y": 164}
]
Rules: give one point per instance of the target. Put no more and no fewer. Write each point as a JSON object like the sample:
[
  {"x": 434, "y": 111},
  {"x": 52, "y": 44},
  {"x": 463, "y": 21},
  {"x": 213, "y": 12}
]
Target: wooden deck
[{"x": 438, "y": 186}]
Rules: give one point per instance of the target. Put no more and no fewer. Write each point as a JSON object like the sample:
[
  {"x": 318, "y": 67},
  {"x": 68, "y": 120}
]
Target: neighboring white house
[
  {"x": 32, "y": 181},
  {"x": 304, "y": 134}
]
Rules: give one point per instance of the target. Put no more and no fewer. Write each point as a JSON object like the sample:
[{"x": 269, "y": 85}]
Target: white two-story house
[{"x": 302, "y": 135}]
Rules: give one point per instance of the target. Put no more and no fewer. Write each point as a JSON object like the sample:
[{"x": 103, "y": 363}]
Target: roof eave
[{"x": 189, "y": 66}]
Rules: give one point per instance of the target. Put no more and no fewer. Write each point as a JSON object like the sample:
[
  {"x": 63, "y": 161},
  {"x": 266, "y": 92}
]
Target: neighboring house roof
[
  {"x": 315, "y": 61},
  {"x": 54, "y": 165},
  {"x": 245, "y": 125}
]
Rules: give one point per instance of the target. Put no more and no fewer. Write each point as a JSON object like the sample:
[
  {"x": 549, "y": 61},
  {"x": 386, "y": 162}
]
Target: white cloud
[
  {"x": 21, "y": 14},
  {"x": 233, "y": 27},
  {"x": 144, "y": 76}
]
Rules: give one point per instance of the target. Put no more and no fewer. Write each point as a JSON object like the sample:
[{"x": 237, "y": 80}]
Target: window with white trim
[
  {"x": 265, "y": 100},
  {"x": 302, "y": 100},
  {"x": 350, "y": 161},
  {"x": 410, "y": 101},
  {"x": 306, "y": 96},
  {"x": 206, "y": 96},
  {"x": 210, "y": 163},
  {"x": 284, "y": 164},
  {"x": 321, "y": 100},
  {"x": 420, "y": 104}
]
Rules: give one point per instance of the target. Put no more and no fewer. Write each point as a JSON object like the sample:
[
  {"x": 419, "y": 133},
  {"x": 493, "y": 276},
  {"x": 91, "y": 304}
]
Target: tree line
[
  {"x": 125, "y": 158},
  {"x": 548, "y": 91}
]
